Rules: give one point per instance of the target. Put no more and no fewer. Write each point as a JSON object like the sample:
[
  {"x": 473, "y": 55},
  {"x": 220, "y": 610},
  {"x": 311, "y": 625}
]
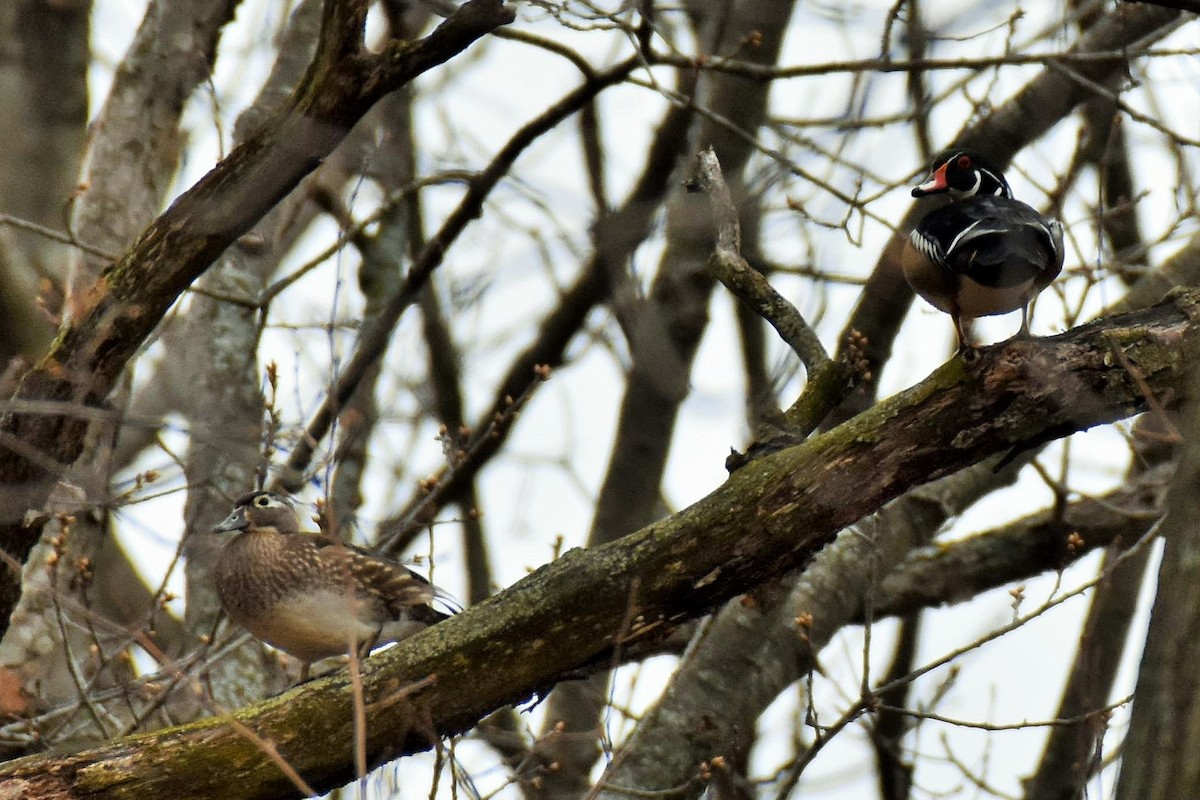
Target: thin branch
[
  {"x": 56, "y": 236},
  {"x": 615, "y": 238},
  {"x": 868, "y": 701},
  {"x": 758, "y": 72},
  {"x": 375, "y": 337},
  {"x": 1026, "y": 547},
  {"x": 747, "y": 283},
  {"x": 1057, "y": 722}
]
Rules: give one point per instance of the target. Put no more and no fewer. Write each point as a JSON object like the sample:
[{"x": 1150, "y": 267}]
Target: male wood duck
[
  {"x": 984, "y": 253},
  {"x": 311, "y": 595}
]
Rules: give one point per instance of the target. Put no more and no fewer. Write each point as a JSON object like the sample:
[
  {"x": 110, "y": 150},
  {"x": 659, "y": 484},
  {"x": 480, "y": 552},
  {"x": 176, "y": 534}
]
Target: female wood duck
[
  {"x": 984, "y": 253},
  {"x": 312, "y": 595}
]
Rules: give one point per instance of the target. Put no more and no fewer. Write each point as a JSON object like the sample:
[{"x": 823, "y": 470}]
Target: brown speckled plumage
[{"x": 311, "y": 595}]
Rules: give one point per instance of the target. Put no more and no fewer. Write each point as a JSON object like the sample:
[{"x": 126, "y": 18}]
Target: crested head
[
  {"x": 963, "y": 173},
  {"x": 261, "y": 510}
]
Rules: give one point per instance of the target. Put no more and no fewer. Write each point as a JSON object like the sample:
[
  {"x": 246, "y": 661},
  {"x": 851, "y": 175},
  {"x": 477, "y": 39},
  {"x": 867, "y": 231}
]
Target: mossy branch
[{"x": 569, "y": 617}]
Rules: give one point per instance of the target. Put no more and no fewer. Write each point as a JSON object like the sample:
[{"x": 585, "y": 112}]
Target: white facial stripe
[
  {"x": 1000, "y": 190},
  {"x": 269, "y": 501}
]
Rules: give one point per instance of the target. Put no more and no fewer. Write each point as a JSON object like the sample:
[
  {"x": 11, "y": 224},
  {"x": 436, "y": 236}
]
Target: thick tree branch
[
  {"x": 748, "y": 655},
  {"x": 1164, "y": 727},
  {"x": 767, "y": 519},
  {"x": 941, "y": 574}
]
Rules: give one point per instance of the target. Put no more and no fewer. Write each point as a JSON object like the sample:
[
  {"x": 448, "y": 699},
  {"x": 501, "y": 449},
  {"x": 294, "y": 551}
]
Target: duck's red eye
[{"x": 964, "y": 162}]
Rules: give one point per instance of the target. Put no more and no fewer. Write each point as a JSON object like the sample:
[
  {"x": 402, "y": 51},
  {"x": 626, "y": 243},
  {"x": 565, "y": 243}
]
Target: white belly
[{"x": 316, "y": 626}]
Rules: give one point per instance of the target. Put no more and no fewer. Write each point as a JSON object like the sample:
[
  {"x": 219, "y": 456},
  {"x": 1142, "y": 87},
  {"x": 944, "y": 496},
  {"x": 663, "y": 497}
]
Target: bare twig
[
  {"x": 743, "y": 280},
  {"x": 374, "y": 339},
  {"x": 56, "y": 236}
]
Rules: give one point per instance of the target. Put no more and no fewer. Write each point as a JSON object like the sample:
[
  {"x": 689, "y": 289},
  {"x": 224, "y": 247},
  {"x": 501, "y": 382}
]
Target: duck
[
  {"x": 311, "y": 595},
  {"x": 984, "y": 253}
]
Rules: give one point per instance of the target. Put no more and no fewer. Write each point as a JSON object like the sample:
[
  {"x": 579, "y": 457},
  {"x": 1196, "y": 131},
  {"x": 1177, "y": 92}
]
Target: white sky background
[{"x": 531, "y": 498}]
